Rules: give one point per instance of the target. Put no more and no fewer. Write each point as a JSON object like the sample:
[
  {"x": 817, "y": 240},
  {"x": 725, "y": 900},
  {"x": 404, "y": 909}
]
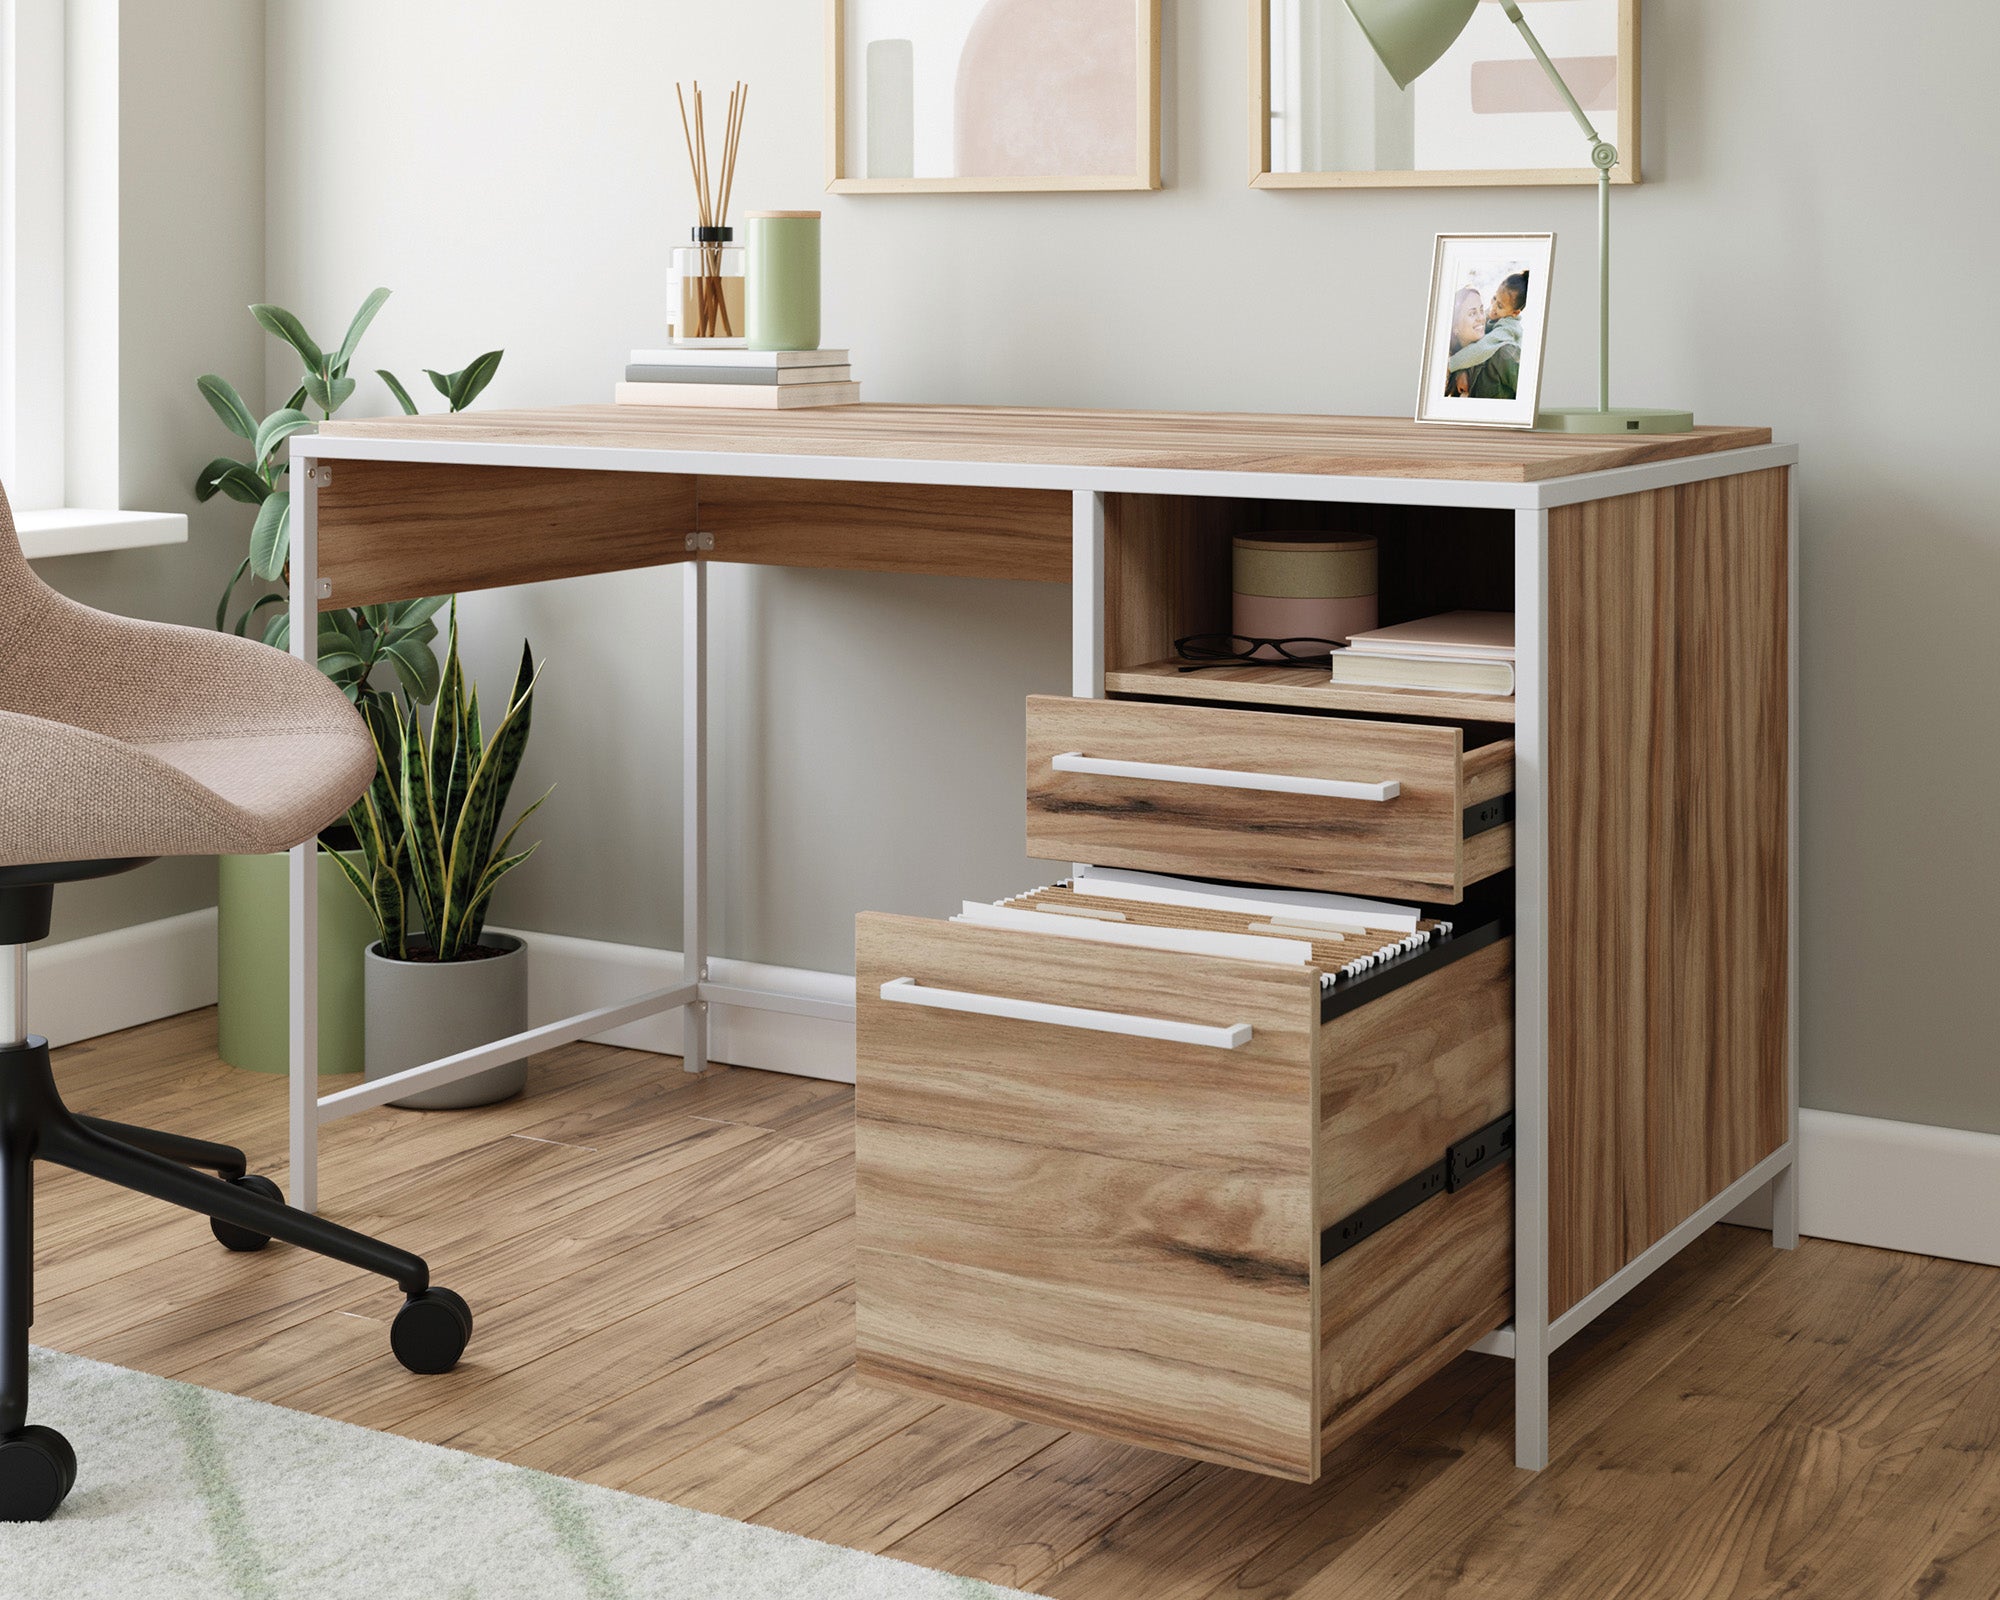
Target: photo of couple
[
  {"x": 1485, "y": 356},
  {"x": 1489, "y": 313}
]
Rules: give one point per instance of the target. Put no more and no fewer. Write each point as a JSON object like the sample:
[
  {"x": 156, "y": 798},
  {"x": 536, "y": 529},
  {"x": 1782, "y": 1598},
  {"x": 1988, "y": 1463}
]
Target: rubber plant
[
  {"x": 429, "y": 825},
  {"x": 353, "y": 642}
]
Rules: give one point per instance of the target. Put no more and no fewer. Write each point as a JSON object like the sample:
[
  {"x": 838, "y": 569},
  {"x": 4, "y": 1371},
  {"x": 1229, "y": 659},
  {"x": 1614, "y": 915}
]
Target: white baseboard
[
  {"x": 1894, "y": 1185},
  {"x": 107, "y": 981},
  {"x": 566, "y": 976}
]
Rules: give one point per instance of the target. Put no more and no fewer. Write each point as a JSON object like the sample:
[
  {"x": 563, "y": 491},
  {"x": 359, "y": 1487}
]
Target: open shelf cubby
[{"x": 1167, "y": 575}]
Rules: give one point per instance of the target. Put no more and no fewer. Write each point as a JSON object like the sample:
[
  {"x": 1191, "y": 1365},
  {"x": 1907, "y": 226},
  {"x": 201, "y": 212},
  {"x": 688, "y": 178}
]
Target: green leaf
[
  {"x": 410, "y": 613},
  {"x": 468, "y": 381},
  {"x": 298, "y": 399},
  {"x": 329, "y": 394},
  {"x": 242, "y": 627},
  {"x": 439, "y": 382},
  {"x": 271, "y": 537},
  {"x": 334, "y": 662},
  {"x": 228, "y": 405},
  {"x": 275, "y": 429},
  {"x": 278, "y": 631},
  {"x": 416, "y": 668},
  {"x": 233, "y": 478},
  {"x": 222, "y": 605},
  {"x": 277, "y": 320},
  {"x": 356, "y": 328},
  {"x": 396, "y": 388}
]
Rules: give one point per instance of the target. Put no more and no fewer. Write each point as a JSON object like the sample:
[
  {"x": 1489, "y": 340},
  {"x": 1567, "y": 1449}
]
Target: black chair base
[{"x": 37, "y": 1466}]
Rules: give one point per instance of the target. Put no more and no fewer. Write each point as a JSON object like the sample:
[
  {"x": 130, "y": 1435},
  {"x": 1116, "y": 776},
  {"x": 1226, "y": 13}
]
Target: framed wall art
[
  {"x": 1325, "y": 114},
  {"x": 968, "y": 96}
]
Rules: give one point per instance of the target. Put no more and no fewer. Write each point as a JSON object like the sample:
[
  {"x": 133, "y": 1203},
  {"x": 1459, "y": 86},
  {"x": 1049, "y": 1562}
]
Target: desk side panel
[
  {"x": 391, "y": 530},
  {"x": 1668, "y": 849},
  {"x": 935, "y": 529}
]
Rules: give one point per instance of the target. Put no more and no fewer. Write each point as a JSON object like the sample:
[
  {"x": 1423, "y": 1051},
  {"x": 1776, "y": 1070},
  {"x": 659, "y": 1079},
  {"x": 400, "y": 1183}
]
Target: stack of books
[
  {"x": 756, "y": 380},
  {"x": 1462, "y": 652}
]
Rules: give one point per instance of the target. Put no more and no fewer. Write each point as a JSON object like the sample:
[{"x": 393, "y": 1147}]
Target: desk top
[{"x": 1375, "y": 447}]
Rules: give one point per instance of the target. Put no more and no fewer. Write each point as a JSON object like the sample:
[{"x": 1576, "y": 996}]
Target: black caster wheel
[
  {"x": 231, "y": 1237},
  {"x": 430, "y": 1333},
  {"x": 37, "y": 1471}
]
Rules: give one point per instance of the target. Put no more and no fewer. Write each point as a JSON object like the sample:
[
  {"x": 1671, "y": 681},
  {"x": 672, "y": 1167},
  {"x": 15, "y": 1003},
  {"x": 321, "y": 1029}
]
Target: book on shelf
[
  {"x": 739, "y": 396},
  {"x": 736, "y": 356},
  {"x": 1467, "y": 652},
  {"x": 643, "y": 372},
  {"x": 1404, "y": 670}
]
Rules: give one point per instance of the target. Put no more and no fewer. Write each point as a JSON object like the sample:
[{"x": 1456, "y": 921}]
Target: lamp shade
[{"x": 1411, "y": 34}]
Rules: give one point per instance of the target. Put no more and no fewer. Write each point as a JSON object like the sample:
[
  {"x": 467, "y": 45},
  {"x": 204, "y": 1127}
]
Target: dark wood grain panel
[
  {"x": 393, "y": 530},
  {"x": 1668, "y": 867},
  {"x": 938, "y": 529}
]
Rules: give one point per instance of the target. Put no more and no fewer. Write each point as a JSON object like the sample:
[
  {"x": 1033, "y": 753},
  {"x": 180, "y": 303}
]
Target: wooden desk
[{"x": 1653, "y": 580}]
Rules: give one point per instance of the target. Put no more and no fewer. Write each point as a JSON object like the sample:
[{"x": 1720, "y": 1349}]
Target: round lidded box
[{"x": 1303, "y": 586}]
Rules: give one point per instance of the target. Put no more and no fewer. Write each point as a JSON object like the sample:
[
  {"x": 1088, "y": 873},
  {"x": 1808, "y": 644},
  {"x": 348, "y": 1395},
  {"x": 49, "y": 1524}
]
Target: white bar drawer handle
[
  {"x": 1222, "y": 778},
  {"x": 908, "y": 992}
]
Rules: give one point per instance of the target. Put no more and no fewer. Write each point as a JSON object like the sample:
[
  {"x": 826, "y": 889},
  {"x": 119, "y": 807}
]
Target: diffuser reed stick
[{"x": 712, "y": 315}]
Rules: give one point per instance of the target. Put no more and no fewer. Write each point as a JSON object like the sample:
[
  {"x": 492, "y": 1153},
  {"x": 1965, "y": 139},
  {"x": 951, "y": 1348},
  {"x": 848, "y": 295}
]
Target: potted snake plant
[{"x": 431, "y": 853}]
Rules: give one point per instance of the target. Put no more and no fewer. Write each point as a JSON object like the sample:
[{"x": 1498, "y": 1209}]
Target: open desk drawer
[
  {"x": 1272, "y": 797},
  {"x": 1095, "y": 1184}
]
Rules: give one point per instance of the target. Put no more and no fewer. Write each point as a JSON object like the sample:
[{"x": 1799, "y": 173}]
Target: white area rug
[{"x": 183, "y": 1492}]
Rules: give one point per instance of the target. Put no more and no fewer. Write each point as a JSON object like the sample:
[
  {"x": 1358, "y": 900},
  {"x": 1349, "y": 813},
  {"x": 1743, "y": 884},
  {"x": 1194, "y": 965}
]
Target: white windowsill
[{"x": 78, "y": 533}]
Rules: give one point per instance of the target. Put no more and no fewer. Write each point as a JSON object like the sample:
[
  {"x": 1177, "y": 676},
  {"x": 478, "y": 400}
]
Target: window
[
  {"x": 33, "y": 327},
  {"x": 59, "y": 330}
]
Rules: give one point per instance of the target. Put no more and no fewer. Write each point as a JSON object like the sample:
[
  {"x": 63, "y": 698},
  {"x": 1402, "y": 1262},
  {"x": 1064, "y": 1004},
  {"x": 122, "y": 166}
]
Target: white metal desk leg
[
  {"x": 1086, "y": 597},
  {"x": 1531, "y": 992},
  {"x": 694, "y": 811},
  {"x": 303, "y": 869},
  {"x": 1785, "y": 1187}
]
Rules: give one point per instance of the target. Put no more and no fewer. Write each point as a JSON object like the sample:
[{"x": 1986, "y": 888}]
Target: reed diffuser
[{"x": 710, "y": 269}]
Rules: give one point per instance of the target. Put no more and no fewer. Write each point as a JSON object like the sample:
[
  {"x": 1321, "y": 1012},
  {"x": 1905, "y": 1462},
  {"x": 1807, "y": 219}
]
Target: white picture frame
[{"x": 1488, "y": 375}]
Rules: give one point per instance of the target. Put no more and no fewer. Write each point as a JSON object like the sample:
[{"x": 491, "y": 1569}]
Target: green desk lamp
[{"x": 1409, "y": 36}]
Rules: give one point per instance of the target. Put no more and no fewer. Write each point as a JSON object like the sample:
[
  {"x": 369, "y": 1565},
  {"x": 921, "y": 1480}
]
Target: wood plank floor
[{"x": 661, "y": 1266}]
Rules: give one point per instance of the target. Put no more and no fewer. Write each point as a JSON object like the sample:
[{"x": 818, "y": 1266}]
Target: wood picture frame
[
  {"x": 1145, "y": 173},
  {"x": 1625, "y": 137}
]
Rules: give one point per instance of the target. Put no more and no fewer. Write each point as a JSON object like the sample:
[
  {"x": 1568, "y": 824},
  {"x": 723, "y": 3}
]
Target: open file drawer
[{"x": 1162, "y": 1196}]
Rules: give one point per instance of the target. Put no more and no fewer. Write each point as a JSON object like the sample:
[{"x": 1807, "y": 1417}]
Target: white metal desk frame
[{"x": 1532, "y": 1336}]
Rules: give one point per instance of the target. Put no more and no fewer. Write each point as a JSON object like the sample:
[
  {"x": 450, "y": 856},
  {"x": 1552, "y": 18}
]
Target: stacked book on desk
[
  {"x": 755, "y": 380},
  {"x": 1460, "y": 652}
]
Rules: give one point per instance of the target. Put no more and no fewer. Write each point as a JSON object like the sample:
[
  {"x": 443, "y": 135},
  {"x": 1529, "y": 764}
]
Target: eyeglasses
[{"x": 1200, "y": 650}]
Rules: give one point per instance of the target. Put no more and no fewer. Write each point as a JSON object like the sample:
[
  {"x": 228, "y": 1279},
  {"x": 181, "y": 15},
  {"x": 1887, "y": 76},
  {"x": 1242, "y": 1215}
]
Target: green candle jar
[{"x": 783, "y": 289}]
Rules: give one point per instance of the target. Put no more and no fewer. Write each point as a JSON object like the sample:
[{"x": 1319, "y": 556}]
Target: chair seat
[
  {"x": 122, "y": 738},
  {"x": 68, "y": 794}
]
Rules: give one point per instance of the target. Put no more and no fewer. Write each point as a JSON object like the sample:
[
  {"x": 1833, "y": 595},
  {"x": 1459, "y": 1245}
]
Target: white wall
[
  {"x": 187, "y": 226},
  {"x": 1809, "y": 251}
]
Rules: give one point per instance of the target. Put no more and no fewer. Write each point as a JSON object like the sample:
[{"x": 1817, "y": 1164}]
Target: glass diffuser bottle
[{"x": 708, "y": 275}]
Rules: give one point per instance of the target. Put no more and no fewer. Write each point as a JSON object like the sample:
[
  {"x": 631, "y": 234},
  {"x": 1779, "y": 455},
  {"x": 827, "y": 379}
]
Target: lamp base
[{"x": 1624, "y": 419}]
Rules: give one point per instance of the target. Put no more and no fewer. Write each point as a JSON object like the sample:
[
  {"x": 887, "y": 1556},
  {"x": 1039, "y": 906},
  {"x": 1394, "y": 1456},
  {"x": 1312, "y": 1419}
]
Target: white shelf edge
[{"x": 70, "y": 532}]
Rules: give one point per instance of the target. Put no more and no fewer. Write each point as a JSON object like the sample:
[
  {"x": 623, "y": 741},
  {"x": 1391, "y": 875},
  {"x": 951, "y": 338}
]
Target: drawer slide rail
[{"x": 1462, "y": 1163}]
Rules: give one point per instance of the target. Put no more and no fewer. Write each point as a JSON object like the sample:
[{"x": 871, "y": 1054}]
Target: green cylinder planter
[{"x": 253, "y": 956}]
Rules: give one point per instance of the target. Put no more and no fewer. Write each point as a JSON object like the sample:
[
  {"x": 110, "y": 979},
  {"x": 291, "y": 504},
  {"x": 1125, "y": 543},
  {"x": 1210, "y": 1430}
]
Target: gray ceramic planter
[{"x": 418, "y": 1011}]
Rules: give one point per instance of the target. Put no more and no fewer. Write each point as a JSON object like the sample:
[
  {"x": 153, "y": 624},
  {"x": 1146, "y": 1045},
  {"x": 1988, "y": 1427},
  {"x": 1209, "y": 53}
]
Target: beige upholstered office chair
[{"x": 121, "y": 741}]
